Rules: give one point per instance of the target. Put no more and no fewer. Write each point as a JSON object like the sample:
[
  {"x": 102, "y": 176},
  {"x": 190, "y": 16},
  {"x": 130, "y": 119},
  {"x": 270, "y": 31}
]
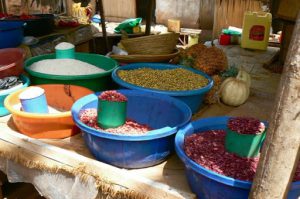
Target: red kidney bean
[
  {"x": 207, "y": 149},
  {"x": 113, "y": 96},
  {"x": 131, "y": 127},
  {"x": 246, "y": 125}
]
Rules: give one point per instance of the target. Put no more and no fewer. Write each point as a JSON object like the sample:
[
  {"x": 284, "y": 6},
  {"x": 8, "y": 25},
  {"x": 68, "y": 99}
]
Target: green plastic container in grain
[
  {"x": 244, "y": 145},
  {"x": 96, "y": 82},
  {"x": 111, "y": 114}
]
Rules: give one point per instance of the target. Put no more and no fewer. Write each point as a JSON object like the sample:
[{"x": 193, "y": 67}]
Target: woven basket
[
  {"x": 151, "y": 45},
  {"x": 145, "y": 58}
]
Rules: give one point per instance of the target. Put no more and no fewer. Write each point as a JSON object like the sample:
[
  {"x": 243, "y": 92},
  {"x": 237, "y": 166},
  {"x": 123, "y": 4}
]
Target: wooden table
[
  {"x": 70, "y": 159},
  {"x": 185, "y": 33}
]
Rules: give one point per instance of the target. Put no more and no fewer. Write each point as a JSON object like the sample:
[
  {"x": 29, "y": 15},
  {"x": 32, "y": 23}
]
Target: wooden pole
[
  {"x": 149, "y": 17},
  {"x": 2, "y": 181},
  {"x": 102, "y": 15},
  {"x": 280, "y": 155}
]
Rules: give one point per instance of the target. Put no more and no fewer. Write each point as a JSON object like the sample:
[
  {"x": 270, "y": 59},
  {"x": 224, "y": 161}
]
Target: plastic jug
[
  {"x": 193, "y": 39},
  {"x": 256, "y": 30}
]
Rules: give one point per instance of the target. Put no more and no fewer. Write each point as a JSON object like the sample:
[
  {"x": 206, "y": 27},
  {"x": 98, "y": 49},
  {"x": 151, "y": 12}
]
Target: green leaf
[{"x": 232, "y": 71}]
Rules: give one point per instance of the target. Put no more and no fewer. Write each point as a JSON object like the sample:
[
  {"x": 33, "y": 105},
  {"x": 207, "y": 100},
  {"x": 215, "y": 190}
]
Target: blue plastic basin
[
  {"x": 193, "y": 98},
  {"x": 163, "y": 113},
  {"x": 11, "y": 34},
  {"x": 206, "y": 183},
  {"x": 4, "y": 94}
]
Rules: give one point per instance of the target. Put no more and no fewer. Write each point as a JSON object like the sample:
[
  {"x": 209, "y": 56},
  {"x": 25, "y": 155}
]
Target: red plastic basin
[{"x": 11, "y": 62}]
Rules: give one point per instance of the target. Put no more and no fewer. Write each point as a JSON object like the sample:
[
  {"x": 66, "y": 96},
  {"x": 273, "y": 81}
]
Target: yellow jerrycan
[{"x": 256, "y": 30}]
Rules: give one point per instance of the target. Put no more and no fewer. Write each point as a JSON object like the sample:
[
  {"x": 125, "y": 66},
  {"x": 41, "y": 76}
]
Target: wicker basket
[
  {"x": 145, "y": 58},
  {"x": 151, "y": 45}
]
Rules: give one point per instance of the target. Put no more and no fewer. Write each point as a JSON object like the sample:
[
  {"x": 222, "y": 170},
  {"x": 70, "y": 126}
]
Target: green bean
[{"x": 178, "y": 79}]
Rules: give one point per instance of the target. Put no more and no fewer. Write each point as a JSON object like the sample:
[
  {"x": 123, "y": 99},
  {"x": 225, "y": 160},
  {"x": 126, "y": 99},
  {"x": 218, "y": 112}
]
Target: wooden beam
[
  {"x": 280, "y": 155},
  {"x": 102, "y": 15},
  {"x": 4, "y": 8},
  {"x": 50, "y": 153},
  {"x": 288, "y": 9},
  {"x": 2, "y": 177},
  {"x": 149, "y": 17},
  {"x": 287, "y": 32}
]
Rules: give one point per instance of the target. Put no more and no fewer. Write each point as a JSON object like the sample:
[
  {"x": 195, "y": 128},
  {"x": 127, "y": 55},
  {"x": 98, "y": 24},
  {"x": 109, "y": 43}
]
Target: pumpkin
[
  {"x": 244, "y": 76},
  {"x": 234, "y": 92}
]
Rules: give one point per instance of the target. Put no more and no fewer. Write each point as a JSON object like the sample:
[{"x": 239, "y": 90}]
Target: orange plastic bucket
[{"x": 48, "y": 126}]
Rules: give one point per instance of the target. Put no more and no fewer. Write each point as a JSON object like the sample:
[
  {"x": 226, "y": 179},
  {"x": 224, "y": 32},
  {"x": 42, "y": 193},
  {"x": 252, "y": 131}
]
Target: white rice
[
  {"x": 64, "y": 46},
  {"x": 65, "y": 67}
]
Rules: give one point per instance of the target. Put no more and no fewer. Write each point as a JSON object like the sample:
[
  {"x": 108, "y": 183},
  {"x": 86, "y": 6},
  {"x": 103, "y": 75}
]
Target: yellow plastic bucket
[{"x": 256, "y": 30}]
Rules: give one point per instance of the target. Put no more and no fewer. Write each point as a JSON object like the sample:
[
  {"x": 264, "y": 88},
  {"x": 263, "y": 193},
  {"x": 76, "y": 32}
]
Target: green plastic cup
[
  {"x": 111, "y": 114},
  {"x": 65, "y": 54},
  {"x": 65, "y": 50},
  {"x": 244, "y": 145}
]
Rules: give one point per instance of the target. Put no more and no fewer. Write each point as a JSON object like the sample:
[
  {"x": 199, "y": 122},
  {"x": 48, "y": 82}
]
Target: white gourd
[
  {"x": 234, "y": 92},
  {"x": 244, "y": 76}
]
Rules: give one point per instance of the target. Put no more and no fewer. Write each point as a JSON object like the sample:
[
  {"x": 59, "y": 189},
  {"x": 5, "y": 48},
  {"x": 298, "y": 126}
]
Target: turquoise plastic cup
[
  {"x": 111, "y": 114},
  {"x": 65, "y": 50},
  {"x": 244, "y": 145},
  {"x": 33, "y": 100}
]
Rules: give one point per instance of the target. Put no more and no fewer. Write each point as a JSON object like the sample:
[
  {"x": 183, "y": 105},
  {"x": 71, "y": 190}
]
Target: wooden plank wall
[
  {"x": 206, "y": 14},
  {"x": 191, "y": 13},
  {"x": 231, "y": 13},
  {"x": 119, "y": 10}
]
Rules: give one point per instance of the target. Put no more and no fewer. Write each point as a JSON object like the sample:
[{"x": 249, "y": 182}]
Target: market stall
[
  {"x": 70, "y": 163},
  {"x": 157, "y": 117}
]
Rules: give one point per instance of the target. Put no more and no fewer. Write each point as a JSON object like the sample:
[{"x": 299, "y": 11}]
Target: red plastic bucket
[{"x": 11, "y": 62}]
